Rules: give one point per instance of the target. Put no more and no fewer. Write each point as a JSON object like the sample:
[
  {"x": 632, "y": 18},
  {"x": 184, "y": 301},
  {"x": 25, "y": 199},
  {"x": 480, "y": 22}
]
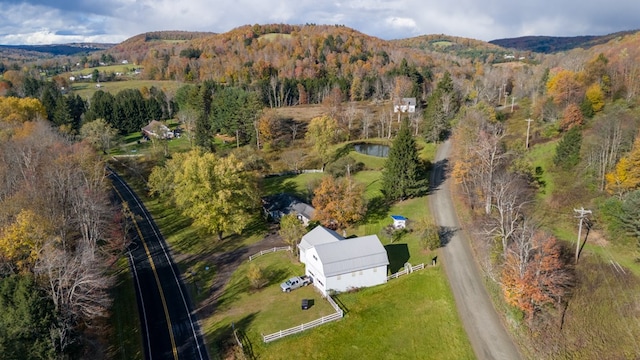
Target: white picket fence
[
  {"x": 306, "y": 326},
  {"x": 282, "y": 248},
  {"x": 408, "y": 269}
]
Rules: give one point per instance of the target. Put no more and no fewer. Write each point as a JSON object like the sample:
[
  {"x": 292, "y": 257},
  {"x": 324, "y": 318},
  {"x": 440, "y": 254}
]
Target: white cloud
[{"x": 115, "y": 20}]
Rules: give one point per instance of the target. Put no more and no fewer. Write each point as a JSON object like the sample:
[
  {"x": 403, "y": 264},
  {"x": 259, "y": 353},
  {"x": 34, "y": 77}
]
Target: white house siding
[
  {"x": 357, "y": 279},
  {"x": 314, "y": 269}
]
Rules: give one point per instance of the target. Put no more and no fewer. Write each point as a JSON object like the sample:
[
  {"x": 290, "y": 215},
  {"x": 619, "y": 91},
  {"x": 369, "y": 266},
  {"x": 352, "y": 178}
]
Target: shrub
[{"x": 256, "y": 276}]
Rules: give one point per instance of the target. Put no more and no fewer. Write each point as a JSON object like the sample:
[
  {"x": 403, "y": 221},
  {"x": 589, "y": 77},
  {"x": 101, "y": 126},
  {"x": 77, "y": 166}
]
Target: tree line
[{"x": 60, "y": 235}]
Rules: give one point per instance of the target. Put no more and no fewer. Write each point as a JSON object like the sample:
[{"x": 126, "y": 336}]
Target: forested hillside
[{"x": 539, "y": 139}]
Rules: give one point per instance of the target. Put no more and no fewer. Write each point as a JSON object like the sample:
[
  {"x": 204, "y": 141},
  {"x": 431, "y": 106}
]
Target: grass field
[
  {"x": 87, "y": 89},
  {"x": 126, "y": 342},
  {"x": 412, "y": 317}
]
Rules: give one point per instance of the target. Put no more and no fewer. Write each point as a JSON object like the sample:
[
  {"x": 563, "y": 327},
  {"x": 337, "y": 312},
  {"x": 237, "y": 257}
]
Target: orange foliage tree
[
  {"x": 572, "y": 116},
  {"x": 535, "y": 274},
  {"x": 339, "y": 202}
]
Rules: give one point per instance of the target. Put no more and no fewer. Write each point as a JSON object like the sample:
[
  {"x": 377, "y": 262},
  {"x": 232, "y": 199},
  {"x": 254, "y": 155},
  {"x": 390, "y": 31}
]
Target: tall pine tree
[
  {"x": 568, "y": 149},
  {"x": 402, "y": 176}
]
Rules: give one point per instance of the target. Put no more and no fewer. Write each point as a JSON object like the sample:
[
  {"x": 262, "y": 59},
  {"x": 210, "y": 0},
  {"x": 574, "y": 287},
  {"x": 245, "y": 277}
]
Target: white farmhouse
[{"x": 339, "y": 264}]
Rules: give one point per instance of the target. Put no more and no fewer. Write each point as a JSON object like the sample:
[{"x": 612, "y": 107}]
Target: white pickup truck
[{"x": 295, "y": 282}]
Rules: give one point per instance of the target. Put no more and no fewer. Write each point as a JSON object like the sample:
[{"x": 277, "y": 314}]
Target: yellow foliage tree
[
  {"x": 626, "y": 175},
  {"x": 321, "y": 133},
  {"x": 16, "y": 110},
  {"x": 595, "y": 95},
  {"x": 564, "y": 87},
  {"x": 21, "y": 241}
]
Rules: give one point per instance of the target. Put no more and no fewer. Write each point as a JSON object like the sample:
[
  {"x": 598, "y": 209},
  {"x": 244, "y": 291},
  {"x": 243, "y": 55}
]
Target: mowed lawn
[{"x": 412, "y": 317}]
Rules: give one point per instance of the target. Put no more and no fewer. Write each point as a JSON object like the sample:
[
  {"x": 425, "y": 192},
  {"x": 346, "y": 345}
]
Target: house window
[
  {"x": 360, "y": 273},
  {"x": 320, "y": 282},
  {"x": 353, "y": 273},
  {"x": 339, "y": 277},
  {"x": 375, "y": 269},
  {"x": 314, "y": 257},
  {"x": 310, "y": 273}
]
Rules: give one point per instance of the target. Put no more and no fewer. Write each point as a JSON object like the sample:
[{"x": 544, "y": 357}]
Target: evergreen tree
[
  {"x": 568, "y": 150},
  {"x": 26, "y": 319},
  {"x": 204, "y": 127},
  {"x": 442, "y": 105},
  {"x": 402, "y": 176},
  {"x": 630, "y": 214}
]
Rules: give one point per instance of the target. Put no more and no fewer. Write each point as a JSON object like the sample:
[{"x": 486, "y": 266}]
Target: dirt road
[{"x": 484, "y": 328}]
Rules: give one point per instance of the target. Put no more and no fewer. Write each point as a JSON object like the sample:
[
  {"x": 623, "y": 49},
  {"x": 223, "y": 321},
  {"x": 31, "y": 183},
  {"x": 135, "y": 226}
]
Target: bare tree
[
  {"x": 367, "y": 119},
  {"x": 490, "y": 152},
  {"x": 511, "y": 195},
  {"x": 188, "y": 118}
]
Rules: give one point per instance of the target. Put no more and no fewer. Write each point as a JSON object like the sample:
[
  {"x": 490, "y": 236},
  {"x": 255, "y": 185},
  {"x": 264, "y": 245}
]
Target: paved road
[
  {"x": 169, "y": 328},
  {"x": 484, "y": 328}
]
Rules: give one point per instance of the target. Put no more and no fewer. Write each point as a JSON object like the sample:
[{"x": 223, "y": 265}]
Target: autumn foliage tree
[
  {"x": 535, "y": 274},
  {"x": 339, "y": 202},
  {"x": 571, "y": 117},
  {"x": 216, "y": 192},
  {"x": 291, "y": 231},
  {"x": 322, "y": 132},
  {"x": 626, "y": 175}
]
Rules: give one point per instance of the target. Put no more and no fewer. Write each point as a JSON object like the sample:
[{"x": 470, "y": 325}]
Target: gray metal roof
[
  {"x": 342, "y": 257},
  {"x": 319, "y": 235},
  {"x": 303, "y": 209}
]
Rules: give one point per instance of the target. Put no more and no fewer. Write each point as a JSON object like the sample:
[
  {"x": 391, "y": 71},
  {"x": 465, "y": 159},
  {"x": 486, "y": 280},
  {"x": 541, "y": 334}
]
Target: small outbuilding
[
  {"x": 339, "y": 264},
  {"x": 399, "y": 221}
]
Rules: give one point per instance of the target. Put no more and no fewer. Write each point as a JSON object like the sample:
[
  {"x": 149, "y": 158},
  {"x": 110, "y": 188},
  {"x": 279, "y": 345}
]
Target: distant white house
[
  {"x": 405, "y": 105},
  {"x": 339, "y": 264},
  {"x": 399, "y": 221}
]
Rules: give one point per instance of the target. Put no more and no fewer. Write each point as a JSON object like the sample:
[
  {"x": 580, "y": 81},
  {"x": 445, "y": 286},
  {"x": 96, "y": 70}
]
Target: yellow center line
[{"x": 155, "y": 274}]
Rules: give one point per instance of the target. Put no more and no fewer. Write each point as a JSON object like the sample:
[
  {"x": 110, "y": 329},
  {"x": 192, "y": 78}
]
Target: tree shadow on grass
[
  {"x": 398, "y": 255},
  {"x": 278, "y": 183},
  {"x": 342, "y": 151},
  {"x": 377, "y": 209},
  {"x": 223, "y": 338}
]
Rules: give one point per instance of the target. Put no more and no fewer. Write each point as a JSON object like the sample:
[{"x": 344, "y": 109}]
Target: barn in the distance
[{"x": 339, "y": 264}]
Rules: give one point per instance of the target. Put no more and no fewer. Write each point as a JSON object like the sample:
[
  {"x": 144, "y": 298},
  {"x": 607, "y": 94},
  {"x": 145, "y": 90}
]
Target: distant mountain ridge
[
  {"x": 58, "y": 49},
  {"x": 552, "y": 44}
]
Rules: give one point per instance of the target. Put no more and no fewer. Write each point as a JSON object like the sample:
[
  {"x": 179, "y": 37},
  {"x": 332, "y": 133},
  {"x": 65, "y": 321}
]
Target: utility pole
[
  {"x": 582, "y": 215},
  {"x": 528, "y": 127}
]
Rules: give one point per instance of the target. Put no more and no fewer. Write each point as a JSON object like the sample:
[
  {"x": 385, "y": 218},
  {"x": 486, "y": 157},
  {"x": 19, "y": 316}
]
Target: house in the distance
[
  {"x": 399, "y": 221},
  {"x": 157, "y": 129},
  {"x": 339, "y": 264},
  {"x": 278, "y": 205}
]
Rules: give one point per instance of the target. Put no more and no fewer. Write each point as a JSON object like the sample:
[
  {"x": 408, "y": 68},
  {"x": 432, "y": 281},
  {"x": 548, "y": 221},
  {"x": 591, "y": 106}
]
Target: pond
[{"x": 372, "y": 149}]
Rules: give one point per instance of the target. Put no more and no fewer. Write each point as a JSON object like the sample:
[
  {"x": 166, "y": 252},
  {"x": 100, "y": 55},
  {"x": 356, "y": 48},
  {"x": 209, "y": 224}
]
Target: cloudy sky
[{"x": 64, "y": 21}]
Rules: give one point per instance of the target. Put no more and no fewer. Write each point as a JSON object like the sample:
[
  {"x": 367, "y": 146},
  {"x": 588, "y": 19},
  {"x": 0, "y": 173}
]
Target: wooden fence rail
[
  {"x": 306, "y": 326},
  {"x": 282, "y": 248},
  {"x": 407, "y": 270}
]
